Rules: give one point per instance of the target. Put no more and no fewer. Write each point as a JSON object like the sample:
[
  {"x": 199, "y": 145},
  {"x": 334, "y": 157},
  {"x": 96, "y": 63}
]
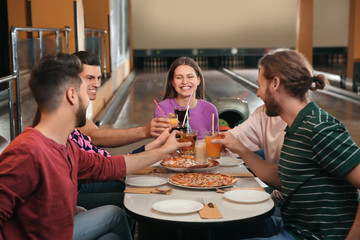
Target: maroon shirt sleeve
[{"x": 93, "y": 166}]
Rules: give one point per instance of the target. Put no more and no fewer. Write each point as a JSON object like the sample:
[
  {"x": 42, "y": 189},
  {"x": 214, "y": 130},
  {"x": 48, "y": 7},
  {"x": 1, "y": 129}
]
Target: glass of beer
[
  {"x": 188, "y": 137},
  {"x": 200, "y": 152},
  {"x": 180, "y": 111},
  {"x": 213, "y": 150}
]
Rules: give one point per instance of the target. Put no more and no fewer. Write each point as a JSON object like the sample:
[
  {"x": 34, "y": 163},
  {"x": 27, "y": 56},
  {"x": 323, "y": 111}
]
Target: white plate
[
  {"x": 145, "y": 181},
  {"x": 177, "y": 206},
  {"x": 229, "y": 161},
  {"x": 247, "y": 196}
]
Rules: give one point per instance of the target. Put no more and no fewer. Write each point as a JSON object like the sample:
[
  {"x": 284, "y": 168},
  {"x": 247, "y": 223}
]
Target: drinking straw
[
  {"x": 186, "y": 119},
  {"x": 186, "y": 115},
  {"x": 188, "y": 124},
  {"x": 159, "y": 108},
  {"x": 190, "y": 98},
  {"x": 212, "y": 125},
  {"x": 187, "y": 109}
]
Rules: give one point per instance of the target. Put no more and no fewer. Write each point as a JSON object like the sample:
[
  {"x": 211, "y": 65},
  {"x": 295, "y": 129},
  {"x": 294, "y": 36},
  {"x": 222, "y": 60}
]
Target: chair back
[{"x": 3, "y": 143}]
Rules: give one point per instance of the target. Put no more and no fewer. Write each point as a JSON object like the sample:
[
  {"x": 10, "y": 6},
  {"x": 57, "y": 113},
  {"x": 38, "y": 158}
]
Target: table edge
[{"x": 204, "y": 224}]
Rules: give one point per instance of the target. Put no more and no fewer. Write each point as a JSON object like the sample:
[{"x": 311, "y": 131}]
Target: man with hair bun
[{"x": 318, "y": 171}]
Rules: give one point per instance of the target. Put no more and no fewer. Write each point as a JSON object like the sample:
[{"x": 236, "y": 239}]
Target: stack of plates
[{"x": 229, "y": 161}]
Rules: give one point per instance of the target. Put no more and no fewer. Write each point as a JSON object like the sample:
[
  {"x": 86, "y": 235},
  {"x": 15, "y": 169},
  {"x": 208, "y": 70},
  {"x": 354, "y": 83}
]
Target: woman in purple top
[{"x": 184, "y": 78}]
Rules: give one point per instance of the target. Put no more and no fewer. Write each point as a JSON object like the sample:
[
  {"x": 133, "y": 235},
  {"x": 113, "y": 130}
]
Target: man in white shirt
[{"x": 260, "y": 131}]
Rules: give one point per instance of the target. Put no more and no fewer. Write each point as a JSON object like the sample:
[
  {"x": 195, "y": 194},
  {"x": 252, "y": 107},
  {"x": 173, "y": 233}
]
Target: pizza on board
[
  {"x": 181, "y": 161},
  {"x": 186, "y": 161},
  {"x": 206, "y": 180}
]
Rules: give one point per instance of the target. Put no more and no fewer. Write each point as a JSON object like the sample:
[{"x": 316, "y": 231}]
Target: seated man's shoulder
[
  {"x": 82, "y": 140},
  {"x": 29, "y": 137},
  {"x": 30, "y": 143}
]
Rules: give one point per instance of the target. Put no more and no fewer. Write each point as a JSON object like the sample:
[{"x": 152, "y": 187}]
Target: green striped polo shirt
[{"x": 317, "y": 152}]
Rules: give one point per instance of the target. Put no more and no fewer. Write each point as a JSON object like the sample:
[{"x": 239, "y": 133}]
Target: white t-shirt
[{"x": 260, "y": 131}]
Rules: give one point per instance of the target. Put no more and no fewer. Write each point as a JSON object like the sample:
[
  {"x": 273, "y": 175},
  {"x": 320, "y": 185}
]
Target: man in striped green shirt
[
  {"x": 316, "y": 155},
  {"x": 318, "y": 172}
]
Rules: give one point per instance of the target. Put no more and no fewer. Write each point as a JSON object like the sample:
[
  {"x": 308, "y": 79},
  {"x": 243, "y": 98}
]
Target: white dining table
[{"x": 140, "y": 206}]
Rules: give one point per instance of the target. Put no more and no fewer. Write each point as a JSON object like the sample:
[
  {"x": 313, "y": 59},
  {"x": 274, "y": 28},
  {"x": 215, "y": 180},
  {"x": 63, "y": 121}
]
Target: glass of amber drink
[
  {"x": 173, "y": 120},
  {"x": 213, "y": 150},
  {"x": 188, "y": 137}
]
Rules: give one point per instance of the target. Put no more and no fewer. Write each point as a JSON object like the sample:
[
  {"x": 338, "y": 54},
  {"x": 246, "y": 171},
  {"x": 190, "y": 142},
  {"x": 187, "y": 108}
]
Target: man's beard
[
  {"x": 81, "y": 114},
  {"x": 273, "y": 108}
]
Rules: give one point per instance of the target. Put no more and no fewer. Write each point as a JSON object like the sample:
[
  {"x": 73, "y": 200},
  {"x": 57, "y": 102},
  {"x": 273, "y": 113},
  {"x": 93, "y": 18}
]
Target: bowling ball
[
  {"x": 224, "y": 128},
  {"x": 222, "y": 122}
]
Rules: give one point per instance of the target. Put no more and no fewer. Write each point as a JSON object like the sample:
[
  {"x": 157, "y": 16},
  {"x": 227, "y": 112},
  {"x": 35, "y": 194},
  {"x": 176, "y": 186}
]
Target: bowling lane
[
  {"x": 220, "y": 86},
  {"x": 346, "y": 111},
  {"x": 138, "y": 109},
  {"x": 139, "y": 105}
]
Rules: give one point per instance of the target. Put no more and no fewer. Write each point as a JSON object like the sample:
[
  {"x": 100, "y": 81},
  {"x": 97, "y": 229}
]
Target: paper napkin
[
  {"x": 210, "y": 211},
  {"x": 165, "y": 191}
]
